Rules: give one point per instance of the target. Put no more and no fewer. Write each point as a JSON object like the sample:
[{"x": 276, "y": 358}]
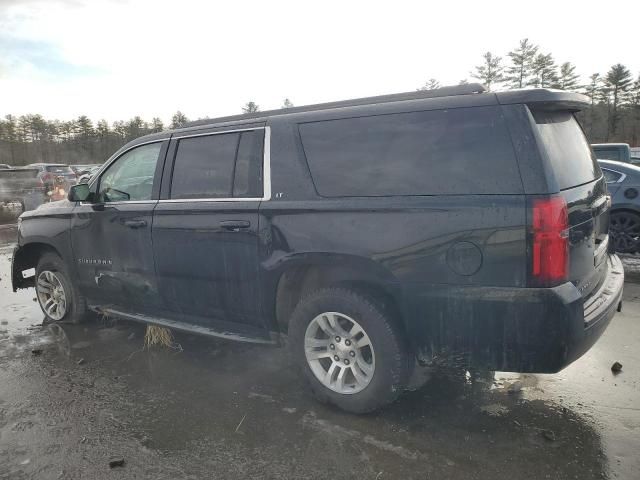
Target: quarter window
[
  {"x": 131, "y": 176},
  {"x": 611, "y": 176},
  {"x": 457, "y": 151},
  {"x": 219, "y": 166}
]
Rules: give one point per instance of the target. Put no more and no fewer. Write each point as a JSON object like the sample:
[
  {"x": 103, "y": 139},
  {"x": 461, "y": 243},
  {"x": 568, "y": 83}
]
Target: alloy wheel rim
[
  {"x": 339, "y": 353},
  {"x": 625, "y": 232},
  {"x": 51, "y": 295}
]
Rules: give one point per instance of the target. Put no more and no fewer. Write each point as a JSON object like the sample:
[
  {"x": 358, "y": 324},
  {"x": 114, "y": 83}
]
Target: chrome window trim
[
  {"x": 235, "y": 130},
  {"x": 266, "y": 171},
  {"x": 622, "y": 175},
  {"x": 123, "y": 202}
]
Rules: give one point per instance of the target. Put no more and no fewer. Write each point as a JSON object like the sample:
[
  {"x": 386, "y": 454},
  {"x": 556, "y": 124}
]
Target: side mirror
[{"x": 79, "y": 193}]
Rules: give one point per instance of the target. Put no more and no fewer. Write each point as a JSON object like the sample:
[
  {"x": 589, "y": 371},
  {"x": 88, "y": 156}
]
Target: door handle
[
  {"x": 135, "y": 223},
  {"x": 235, "y": 225}
]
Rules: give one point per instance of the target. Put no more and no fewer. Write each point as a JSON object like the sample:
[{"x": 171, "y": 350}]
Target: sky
[{"x": 114, "y": 59}]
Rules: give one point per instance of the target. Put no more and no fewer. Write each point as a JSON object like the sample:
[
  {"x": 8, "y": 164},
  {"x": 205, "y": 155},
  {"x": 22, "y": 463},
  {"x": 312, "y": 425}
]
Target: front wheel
[
  {"x": 58, "y": 298},
  {"x": 350, "y": 350}
]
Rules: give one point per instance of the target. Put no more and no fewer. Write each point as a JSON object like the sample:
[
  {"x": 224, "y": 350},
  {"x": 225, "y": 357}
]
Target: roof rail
[{"x": 466, "y": 89}]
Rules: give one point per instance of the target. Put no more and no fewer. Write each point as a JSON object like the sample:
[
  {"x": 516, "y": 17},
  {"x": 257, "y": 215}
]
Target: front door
[
  {"x": 205, "y": 229},
  {"x": 111, "y": 233}
]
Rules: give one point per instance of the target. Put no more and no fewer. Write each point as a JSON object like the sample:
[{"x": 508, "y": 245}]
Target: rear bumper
[{"x": 536, "y": 330}]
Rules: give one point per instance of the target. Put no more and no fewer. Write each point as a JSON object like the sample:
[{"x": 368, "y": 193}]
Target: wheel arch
[
  {"x": 300, "y": 276},
  {"x": 25, "y": 257},
  {"x": 625, "y": 207}
]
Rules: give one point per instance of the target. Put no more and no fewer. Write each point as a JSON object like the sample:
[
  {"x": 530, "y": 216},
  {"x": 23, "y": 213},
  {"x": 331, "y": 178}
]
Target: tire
[
  {"x": 374, "y": 359},
  {"x": 51, "y": 271},
  {"x": 625, "y": 231}
]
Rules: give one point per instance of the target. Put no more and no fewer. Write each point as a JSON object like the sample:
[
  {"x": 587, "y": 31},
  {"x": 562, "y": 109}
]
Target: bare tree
[{"x": 287, "y": 103}]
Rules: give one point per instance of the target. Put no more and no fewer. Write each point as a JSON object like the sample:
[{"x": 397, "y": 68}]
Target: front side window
[
  {"x": 223, "y": 165},
  {"x": 130, "y": 177}
]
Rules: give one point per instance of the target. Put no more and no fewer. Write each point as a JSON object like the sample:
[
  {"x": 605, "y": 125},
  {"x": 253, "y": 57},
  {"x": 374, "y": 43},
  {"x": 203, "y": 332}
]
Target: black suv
[{"x": 451, "y": 223}]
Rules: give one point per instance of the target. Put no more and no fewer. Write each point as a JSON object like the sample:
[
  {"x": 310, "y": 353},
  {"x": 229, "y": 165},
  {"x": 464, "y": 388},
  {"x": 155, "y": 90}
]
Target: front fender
[{"x": 38, "y": 234}]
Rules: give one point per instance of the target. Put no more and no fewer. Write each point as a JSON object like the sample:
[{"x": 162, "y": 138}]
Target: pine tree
[
  {"x": 568, "y": 78},
  {"x": 543, "y": 71},
  {"x": 490, "y": 72},
  {"x": 250, "y": 107},
  {"x": 617, "y": 81},
  {"x": 591, "y": 90},
  {"x": 9, "y": 134},
  {"x": 156, "y": 125},
  {"x": 287, "y": 103},
  {"x": 634, "y": 106},
  {"x": 430, "y": 84},
  {"x": 518, "y": 73},
  {"x": 178, "y": 120}
]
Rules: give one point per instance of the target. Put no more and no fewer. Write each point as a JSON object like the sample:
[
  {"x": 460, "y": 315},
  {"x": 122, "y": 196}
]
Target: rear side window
[
  {"x": 248, "y": 172},
  {"x": 458, "y": 151},
  {"x": 219, "y": 166},
  {"x": 571, "y": 157}
]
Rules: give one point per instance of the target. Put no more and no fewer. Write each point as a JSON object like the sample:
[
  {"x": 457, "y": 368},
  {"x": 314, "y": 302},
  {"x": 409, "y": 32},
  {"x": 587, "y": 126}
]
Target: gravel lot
[{"x": 73, "y": 397}]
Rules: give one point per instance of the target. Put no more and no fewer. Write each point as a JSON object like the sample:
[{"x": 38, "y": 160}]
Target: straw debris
[{"x": 158, "y": 336}]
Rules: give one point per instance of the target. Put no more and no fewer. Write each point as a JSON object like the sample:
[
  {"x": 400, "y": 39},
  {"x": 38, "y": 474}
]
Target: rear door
[
  {"x": 583, "y": 186},
  {"x": 205, "y": 231}
]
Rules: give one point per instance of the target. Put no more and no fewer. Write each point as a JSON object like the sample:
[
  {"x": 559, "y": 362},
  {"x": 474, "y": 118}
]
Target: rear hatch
[
  {"x": 63, "y": 171},
  {"x": 583, "y": 188}
]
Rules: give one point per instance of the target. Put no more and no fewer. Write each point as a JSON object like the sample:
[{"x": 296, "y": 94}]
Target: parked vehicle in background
[
  {"x": 20, "y": 190},
  {"x": 620, "y": 152},
  {"x": 56, "y": 177},
  {"x": 4, "y": 166},
  {"x": 623, "y": 183},
  {"x": 373, "y": 232}
]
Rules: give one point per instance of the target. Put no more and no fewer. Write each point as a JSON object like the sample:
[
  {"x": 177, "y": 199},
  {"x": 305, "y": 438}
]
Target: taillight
[{"x": 549, "y": 241}]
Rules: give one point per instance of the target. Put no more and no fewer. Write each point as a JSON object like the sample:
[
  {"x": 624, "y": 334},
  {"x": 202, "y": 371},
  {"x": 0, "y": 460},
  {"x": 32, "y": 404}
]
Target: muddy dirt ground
[{"x": 73, "y": 396}]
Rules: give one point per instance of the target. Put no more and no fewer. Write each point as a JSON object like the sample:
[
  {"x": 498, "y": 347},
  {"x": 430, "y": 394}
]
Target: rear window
[
  {"x": 571, "y": 157},
  {"x": 608, "y": 153},
  {"x": 458, "y": 151},
  {"x": 60, "y": 169}
]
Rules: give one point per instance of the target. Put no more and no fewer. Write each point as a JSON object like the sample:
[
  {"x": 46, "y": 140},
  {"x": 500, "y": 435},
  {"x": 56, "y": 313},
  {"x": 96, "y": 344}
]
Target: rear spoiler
[{"x": 545, "y": 99}]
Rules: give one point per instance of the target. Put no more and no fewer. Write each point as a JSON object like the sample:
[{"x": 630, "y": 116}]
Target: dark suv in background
[{"x": 451, "y": 223}]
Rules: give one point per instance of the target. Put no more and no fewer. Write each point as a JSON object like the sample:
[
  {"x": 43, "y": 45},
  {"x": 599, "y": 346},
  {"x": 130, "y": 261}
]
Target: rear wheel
[
  {"x": 349, "y": 349},
  {"x": 58, "y": 298},
  {"x": 625, "y": 231}
]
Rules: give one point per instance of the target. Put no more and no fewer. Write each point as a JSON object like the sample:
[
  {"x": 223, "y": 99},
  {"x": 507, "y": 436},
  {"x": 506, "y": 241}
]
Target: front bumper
[{"x": 535, "y": 330}]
